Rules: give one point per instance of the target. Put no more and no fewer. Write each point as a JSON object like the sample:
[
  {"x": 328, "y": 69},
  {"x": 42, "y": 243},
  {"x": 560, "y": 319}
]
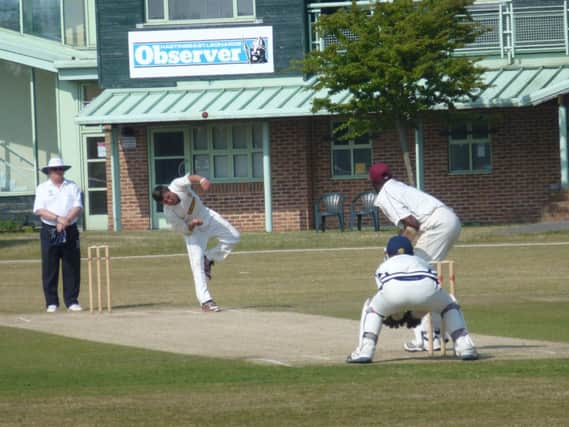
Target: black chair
[
  {"x": 329, "y": 204},
  {"x": 362, "y": 205}
]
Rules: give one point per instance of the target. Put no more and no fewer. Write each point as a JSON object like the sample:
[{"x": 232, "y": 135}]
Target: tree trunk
[{"x": 402, "y": 130}]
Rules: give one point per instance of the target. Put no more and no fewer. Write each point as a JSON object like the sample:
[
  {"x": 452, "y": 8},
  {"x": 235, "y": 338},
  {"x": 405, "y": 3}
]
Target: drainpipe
[
  {"x": 34, "y": 124},
  {"x": 563, "y": 151},
  {"x": 419, "y": 156},
  {"x": 267, "y": 178},
  {"x": 115, "y": 184}
]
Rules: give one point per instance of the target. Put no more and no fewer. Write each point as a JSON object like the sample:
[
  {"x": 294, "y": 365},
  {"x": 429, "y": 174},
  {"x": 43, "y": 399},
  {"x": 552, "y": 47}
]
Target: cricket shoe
[
  {"x": 362, "y": 354},
  {"x": 210, "y": 306},
  {"x": 207, "y": 264},
  {"x": 464, "y": 348},
  {"x": 75, "y": 307},
  {"x": 52, "y": 308},
  {"x": 414, "y": 346}
]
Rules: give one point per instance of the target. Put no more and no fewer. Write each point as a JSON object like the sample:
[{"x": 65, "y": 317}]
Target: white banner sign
[{"x": 204, "y": 52}]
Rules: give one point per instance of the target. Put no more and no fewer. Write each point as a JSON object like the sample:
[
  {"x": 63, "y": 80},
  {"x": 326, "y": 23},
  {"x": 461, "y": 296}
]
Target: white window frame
[
  {"x": 166, "y": 20},
  {"x": 470, "y": 141},
  {"x": 351, "y": 146},
  {"x": 190, "y": 151},
  {"x": 229, "y": 151}
]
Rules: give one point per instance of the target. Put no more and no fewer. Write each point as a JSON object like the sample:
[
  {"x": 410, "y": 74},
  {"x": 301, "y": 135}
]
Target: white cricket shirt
[
  {"x": 397, "y": 201},
  {"x": 59, "y": 200},
  {"x": 190, "y": 207}
]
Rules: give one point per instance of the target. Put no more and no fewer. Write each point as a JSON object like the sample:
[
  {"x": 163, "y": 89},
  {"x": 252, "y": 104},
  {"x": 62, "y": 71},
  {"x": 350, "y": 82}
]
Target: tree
[{"x": 396, "y": 62}]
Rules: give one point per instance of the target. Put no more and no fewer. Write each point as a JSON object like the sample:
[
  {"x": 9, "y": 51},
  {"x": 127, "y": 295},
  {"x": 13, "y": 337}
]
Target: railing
[
  {"x": 511, "y": 31},
  {"x": 520, "y": 30}
]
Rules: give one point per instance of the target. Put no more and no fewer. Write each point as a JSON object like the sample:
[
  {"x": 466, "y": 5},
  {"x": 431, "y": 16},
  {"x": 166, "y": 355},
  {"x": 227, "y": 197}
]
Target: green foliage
[
  {"x": 395, "y": 61},
  {"x": 7, "y": 226}
]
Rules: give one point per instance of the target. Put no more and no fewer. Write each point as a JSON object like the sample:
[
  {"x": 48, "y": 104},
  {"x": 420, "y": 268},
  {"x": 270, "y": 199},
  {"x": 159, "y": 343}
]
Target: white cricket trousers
[
  {"x": 419, "y": 296},
  {"x": 196, "y": 243},
  {"x": 438, "y": 234}
]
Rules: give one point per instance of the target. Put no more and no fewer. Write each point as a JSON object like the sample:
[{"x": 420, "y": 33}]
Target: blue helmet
[{"x": 399, "y": 245}]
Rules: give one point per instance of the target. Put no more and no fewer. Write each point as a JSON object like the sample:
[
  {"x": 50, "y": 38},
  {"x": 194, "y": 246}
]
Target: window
[
  {"x": 350, "y": 157},
  {"x": 192, "y": 10},
  {"x": 96, "y": 175},
  {"x": 220, "y": 152},
  {"x": 60, "y": 20},
  {"x": 89, "y": 92},
  {"x": 469, "y": 147},
  {"x": 228, "y": 152},
  {"x": 10, "y": 14},
  {"x": 74, "y": 23},
  {"x": 169, "y": 155},
  {"x": 168, "y": 152},
  {"x": 42, "y": 18}
]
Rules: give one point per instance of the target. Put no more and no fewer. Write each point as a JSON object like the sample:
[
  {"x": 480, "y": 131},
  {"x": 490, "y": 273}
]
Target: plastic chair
[
  {"x": 329, "y": 204},
  {"x": 362, "y": 205}
]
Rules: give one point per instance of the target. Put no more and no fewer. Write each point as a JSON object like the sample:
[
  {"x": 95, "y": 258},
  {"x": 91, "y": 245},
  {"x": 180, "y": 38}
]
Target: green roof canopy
[{"x": 264, "y": 98}]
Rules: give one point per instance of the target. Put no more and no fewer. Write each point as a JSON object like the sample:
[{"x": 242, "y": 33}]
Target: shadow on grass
[
  {"x": 146, "y": 305},
  {"x": 266, "y": 307},
  {"x": 435, "y": 358},
  {"x": 489, "y": 347},
  {"x": 10, "y": 243}
]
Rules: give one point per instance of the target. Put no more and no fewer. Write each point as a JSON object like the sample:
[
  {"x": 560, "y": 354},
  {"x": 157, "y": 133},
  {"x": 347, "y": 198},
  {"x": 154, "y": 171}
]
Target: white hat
[{"x": 55, "y": 162}]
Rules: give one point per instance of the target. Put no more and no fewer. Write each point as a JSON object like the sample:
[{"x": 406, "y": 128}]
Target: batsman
[{"x": 423, "y": 219}]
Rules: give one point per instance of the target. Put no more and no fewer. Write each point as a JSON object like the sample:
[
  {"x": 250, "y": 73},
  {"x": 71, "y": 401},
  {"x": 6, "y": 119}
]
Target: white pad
[
  {"x": 454, "y": 320},
  {"x": 370, "y": 322}
]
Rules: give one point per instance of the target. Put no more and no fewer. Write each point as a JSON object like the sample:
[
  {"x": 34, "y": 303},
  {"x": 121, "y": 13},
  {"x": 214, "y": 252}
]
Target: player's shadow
[
  {"x": 435, "y": 358},
  {"x": 267, "y": 306},
  {"x": 496, "y": 347},
  {"x": 145, "y": 305}
]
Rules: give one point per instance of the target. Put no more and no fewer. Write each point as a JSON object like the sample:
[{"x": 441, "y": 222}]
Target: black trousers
[{"x": 70, "y": 255}]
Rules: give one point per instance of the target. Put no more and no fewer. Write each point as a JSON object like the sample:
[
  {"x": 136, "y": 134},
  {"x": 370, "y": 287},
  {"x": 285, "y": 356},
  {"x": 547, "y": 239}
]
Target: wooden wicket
[
  {"x": 98, "y": 258},
  {"x": 451, "y": 281}
]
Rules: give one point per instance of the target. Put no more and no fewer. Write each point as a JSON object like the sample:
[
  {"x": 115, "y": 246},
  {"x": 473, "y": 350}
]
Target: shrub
[{"x": 8, "y": 225}]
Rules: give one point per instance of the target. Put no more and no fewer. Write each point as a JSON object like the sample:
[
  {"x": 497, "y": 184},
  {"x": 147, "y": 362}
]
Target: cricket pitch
[{"x": 279, "y": 338}]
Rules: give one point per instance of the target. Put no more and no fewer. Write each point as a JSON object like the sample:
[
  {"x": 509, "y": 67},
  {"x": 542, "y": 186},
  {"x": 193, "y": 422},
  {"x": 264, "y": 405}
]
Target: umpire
[{"x": 58, "y": 204}]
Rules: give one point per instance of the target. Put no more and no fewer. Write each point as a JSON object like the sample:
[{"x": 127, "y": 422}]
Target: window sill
[
  {"x": 234, "y": 180},
  {"x": 200, "y": 23},
  {"x": 477, "y": 172},
  {"x": 17, "y": 193},
  {"x": 348, "y": 177}
]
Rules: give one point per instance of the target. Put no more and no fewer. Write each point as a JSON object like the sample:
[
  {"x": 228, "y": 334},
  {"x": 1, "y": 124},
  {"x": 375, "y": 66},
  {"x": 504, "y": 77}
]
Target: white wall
[
  {"x": 46, "y": 117},
  {"x": 16, "y": 145}
]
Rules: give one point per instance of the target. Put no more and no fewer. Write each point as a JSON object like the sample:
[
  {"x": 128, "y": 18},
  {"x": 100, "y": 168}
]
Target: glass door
[
  {"x": 95, "y": 187},
  {"x": 168, "y": 152}
]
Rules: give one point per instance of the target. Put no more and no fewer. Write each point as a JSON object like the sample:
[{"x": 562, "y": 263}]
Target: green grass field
[{"x": 520, "y": 291}]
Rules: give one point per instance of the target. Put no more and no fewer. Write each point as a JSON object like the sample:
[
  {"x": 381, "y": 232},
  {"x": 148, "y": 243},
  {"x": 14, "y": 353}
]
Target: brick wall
[
  {"x": 133, "y": 175},
  {"x": 525, "y": 161},
  {"x": 385, "y": 148},
  {"x": 291, "y": 173},
  {"x": 242, "y": 204}
]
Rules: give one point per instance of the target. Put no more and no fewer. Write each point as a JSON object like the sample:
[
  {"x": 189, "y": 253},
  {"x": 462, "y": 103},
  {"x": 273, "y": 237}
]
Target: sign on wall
[{"x": 203, "y": 52}]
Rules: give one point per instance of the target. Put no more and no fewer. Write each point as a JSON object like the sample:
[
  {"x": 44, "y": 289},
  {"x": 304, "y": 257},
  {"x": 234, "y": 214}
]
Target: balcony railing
[{"x": 511, "y": 31}]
